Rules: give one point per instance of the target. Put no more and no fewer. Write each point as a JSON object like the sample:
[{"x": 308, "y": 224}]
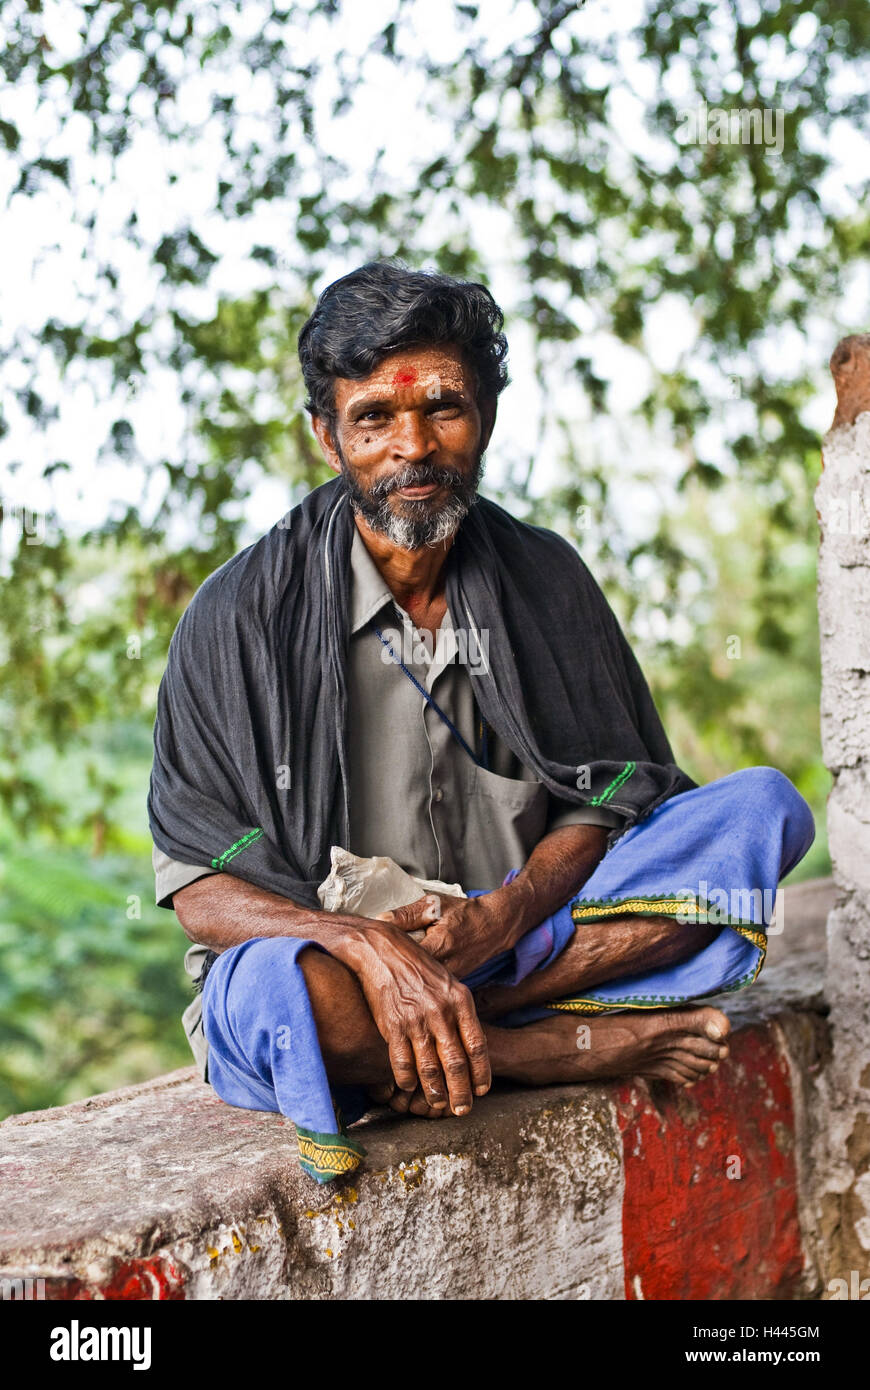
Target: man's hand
[
  {"x": 470, "y": 931},
  {"x": 426, "y": 1017},
  {"x": 423, "y": 1013}
]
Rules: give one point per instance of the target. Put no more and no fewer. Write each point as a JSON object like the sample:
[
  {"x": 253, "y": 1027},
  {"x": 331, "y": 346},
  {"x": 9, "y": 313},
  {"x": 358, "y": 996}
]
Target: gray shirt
[{"x": 415, "y": 794}]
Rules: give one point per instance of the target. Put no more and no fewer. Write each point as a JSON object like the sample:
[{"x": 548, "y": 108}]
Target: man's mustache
[{"x": 419, "y": 475}]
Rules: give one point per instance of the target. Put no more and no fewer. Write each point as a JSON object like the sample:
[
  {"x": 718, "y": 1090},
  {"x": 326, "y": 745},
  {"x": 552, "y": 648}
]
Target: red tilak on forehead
[{"x": 406, "y": 376}]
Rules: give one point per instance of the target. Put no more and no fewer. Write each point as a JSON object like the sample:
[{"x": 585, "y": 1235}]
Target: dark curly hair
[{"x": 384, "y": 307}]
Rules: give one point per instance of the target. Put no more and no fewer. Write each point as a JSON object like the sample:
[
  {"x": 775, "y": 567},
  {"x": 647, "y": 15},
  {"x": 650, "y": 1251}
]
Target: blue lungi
[{"x": 714, "y": 854}]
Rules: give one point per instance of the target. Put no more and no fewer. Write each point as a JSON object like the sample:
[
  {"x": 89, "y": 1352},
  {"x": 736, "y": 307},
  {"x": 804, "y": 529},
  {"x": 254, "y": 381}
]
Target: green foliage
[
  {"x": 91, "y": 984},
  {"x": 598, "y": 231}
]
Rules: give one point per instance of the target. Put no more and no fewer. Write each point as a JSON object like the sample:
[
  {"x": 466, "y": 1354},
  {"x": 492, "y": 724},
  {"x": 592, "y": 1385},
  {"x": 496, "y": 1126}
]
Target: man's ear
[
  {"x": 325, "y": 439},
  {"x": 487, "y": 411}
]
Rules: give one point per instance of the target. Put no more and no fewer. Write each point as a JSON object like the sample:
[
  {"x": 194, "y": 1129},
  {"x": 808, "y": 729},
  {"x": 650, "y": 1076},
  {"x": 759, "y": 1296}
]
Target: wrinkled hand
[
  {"x": 468, "y": 931},
  {"x": 425, "y": 1016}
]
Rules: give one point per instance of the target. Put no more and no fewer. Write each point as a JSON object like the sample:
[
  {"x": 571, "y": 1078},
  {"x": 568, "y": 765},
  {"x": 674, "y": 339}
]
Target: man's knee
[
  {"x": 766, "y": 784},
  {"x": 773, "y": 794},
  {"x": 255, "y": 1007},
  {"x": 245, "y": 970},
  {"x": 250, "y": 988}
]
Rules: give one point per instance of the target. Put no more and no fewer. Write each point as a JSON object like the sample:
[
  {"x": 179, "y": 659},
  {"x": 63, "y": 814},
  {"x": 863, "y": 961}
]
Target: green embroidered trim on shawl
[
  {"x": 228, "y": 854},
  {"x": 614, "y": 785}
]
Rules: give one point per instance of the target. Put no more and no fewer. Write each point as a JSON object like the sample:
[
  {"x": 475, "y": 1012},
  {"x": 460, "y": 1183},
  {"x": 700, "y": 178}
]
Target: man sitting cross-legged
[{"x": 400, "y": 668}]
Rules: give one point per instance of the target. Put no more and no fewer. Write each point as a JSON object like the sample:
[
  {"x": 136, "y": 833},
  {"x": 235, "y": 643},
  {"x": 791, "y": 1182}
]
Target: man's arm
[
  {"x": 473, "y": 930},
  {"x": 426, "y": 1017},
  {"x": 171, "y": 875},
  {"x": 559, "y": 864}
]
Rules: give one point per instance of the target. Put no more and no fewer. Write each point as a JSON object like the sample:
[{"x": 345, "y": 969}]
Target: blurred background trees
[{"x": 181, "y": 179}]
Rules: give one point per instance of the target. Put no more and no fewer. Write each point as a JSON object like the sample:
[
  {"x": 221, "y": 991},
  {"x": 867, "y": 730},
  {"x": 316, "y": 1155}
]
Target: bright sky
[{"x": 48, "y": 267}]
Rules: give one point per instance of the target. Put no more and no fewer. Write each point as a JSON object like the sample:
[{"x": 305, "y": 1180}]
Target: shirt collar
[{"x": 369, "y": 590}]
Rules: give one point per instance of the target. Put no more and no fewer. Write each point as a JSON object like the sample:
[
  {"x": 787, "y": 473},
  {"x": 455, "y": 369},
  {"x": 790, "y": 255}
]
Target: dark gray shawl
[{"x": 250, "y": 762}]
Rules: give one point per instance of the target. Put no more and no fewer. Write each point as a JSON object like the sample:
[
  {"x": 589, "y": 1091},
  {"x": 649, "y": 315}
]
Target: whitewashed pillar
[{"x": 843, "y": 505}]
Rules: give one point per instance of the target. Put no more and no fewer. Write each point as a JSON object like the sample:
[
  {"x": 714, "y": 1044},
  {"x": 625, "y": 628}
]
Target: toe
[
  {"x": 687, "y": 1075},
  {"x": 680, "y": 1076},
  {"x": 381, "y": 1095},
  {"x": 716, "y": 1025},
  {"x": 698, "y": 1066},
  {"x": 401, "y": 1101},
  {"x": 700, "y": 1048},
  {"x": 706, "y": 1022},
  {"x": 420, "y": 1106}
]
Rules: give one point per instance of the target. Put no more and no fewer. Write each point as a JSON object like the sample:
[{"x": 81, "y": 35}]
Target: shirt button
[{"x": 438, "y": 794}]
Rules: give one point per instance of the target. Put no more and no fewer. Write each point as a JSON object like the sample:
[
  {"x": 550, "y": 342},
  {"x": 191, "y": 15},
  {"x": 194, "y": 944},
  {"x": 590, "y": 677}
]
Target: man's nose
[{"x": 412, "y": 437}]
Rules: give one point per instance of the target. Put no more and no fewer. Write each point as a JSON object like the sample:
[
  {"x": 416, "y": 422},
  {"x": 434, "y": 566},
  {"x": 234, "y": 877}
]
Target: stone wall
[{"x": 843, "y": 504}]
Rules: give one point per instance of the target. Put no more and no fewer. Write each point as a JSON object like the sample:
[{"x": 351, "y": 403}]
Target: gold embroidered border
[
  {"x": 667, "y": 907},
  {"x": 751, "y": 933},
  {"x": 328, "y": 1158}
]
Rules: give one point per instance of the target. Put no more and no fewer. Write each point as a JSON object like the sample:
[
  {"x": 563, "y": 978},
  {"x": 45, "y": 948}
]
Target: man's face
[{"x": 409, "y": 441}]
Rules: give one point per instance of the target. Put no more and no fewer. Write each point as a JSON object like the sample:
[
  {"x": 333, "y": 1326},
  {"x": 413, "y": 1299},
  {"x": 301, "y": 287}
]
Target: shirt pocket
[{"x": 505, "y": 819}]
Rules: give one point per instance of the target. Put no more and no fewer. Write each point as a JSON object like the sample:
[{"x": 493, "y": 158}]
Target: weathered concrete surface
[
  {"x": 843, "y": 504},
  {"x": 162, "y": 1190},
  {"x": 602, "y": 1192}
]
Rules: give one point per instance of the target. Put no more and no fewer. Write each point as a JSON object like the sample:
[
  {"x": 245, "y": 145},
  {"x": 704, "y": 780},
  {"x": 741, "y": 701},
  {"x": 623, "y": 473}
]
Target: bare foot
[
  {"x": 677, "y": 1045},
  {"x": 382, "y": 1095},
  {"x": 413, "y": 1102},
  {"x": 680, "y": 1045}
]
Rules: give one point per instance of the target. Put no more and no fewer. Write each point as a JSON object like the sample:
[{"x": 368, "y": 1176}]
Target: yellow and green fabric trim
[
  {"x": 325, "y": 1157},
  {"x": 695, "y": 910}
]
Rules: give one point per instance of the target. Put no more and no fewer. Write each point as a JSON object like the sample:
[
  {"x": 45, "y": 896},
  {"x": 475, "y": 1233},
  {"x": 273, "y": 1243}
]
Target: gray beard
[{"x": 416, "y": 524}]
